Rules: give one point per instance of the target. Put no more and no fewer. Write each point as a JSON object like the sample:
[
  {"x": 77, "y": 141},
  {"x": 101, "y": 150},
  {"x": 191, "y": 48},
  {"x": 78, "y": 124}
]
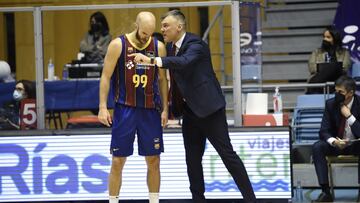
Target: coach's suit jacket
[
  {"x": 332, "y": 118},
  {"x": 194, "y": 75}
]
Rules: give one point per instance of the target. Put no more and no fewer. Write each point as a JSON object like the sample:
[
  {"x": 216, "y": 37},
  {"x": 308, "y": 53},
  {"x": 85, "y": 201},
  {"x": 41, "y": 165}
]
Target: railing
[{"x": 285, "y": 87}]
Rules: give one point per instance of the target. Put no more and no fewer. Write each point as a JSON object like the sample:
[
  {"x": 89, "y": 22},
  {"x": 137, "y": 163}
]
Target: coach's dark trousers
[
  {"x": 321, "y": 149},
  {"x": 214, "y": 128}
]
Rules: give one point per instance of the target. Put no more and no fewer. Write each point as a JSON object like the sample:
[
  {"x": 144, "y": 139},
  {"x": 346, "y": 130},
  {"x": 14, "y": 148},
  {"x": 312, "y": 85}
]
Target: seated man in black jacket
[{"x": 339, "y": 132}]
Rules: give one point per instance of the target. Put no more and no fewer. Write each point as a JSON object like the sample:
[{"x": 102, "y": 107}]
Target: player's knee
[
  {"x": 118, "y": 163},
  {"x": 153, "y": 162}
]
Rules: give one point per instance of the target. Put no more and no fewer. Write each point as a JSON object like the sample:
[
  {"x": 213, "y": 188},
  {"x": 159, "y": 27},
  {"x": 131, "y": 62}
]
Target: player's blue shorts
[{"x": 146, "y": 123}]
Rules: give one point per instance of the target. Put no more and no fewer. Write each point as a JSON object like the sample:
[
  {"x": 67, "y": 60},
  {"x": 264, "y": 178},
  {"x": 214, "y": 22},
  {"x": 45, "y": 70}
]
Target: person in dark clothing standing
[{"x": 197, "y": 96}]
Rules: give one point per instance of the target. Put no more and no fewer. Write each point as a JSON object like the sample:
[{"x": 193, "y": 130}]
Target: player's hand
[
  {"x": 140, "y": 58},
  {"x": 164, "y": 118},
  {"x": 105, "y": 117}
]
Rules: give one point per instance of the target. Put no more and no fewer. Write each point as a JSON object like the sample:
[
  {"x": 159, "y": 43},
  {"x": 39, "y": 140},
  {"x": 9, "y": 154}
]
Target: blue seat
[
  {"x": 307, "y": 117},
  {"x": 309, "y": 101},
  {"x": 309, "y": 120},
  {"x": 355, "y": 71},
  {"x": 251, "y": 72},
  {"x": 304, "y": 131}
]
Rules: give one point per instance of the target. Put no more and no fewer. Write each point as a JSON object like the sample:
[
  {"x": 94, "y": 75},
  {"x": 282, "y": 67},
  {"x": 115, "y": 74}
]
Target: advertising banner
[
  {"x": 250, "y": 41},
  {"x": 76, "y": 167},
  {"x": 348, "y": 23}
]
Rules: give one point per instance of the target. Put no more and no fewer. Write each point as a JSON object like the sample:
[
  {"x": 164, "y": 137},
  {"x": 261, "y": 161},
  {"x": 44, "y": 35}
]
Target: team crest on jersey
[
  {"x": 130, "y": 50},
  {"x": 130, "y": 64}
]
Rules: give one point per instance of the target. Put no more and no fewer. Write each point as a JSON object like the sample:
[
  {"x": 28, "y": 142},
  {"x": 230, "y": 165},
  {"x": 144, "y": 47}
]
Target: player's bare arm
[
  {"x": 163, "y": 84},
  {"x": 112, "y": 55}
]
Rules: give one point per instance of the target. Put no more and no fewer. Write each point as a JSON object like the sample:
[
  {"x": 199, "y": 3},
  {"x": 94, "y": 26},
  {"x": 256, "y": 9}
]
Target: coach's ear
[{"x": 180, "y": 27}]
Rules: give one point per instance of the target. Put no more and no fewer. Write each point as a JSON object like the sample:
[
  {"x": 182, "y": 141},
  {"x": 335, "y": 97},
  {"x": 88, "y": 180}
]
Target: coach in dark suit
[
  {"x": 340, "y": 126},
  {"x": 197, "y": 96}
]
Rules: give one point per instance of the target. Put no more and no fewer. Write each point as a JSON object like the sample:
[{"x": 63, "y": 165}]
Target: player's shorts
[{"x": 128, "y": 121}]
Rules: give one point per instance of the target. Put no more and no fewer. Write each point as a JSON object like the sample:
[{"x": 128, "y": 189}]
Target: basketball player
[{"x": 138, "y": 90}]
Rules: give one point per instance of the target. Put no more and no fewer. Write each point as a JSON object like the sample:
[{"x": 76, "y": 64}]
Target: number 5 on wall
[{"x": 28, "y": 115}]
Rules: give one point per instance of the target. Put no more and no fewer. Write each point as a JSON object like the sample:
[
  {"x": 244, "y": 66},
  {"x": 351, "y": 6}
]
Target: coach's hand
[
  {"x": 140, "y": 58},
  {"x": 105, "y": 117}
]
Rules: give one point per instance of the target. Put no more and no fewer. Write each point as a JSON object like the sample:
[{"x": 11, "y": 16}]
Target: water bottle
[
  {"x": 277, "y": 101},
  {"x": 51, "y": 70},
  {"x": 298, "y": 192},
  {"x": 65, "y": 73}
]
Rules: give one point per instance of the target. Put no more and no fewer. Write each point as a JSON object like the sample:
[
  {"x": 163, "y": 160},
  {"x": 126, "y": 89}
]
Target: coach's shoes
[{"x": 324, "y": 197}]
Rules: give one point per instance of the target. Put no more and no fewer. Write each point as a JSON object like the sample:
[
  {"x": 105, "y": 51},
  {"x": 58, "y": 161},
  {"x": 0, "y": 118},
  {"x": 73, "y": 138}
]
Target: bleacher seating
[
  {"x": 355, "y": 73},
  {"x": 251, "y": 72},
  {"x": 291, "y": 30},
  {"x": 307, "y": 117}
]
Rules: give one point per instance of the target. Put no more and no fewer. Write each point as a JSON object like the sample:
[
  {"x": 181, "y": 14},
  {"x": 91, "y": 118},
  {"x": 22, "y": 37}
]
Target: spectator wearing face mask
[
  {"x": 331, "y": 51},
  {"x": 24, "y": 89},
  {"x": 96, "y": 40},
  {"x": 10, "y": 112}
]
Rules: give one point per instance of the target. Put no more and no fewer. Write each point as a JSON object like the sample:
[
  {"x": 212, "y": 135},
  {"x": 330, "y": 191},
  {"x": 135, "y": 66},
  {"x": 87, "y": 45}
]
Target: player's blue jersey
[{"x": 136, "y": 85}]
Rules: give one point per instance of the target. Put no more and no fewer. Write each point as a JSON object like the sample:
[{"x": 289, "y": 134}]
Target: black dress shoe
[{"x": 324, "y": 197}]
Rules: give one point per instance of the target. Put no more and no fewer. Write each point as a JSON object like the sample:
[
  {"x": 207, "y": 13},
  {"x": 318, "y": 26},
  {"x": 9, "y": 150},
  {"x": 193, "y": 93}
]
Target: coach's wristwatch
[{"x": 152, "y": 60}]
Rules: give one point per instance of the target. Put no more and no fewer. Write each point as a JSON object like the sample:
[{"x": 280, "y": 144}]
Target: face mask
[
  {"x": 96, "y": 27},
  {"x": 339, "y": 98},
  {"x": 325, "y": 45},
  {"x": 17, "y": 95}
]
